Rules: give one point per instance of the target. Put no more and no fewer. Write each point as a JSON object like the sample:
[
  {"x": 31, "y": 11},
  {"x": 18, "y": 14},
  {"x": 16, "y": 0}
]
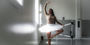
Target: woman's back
[{"x": 50, "y": 19}]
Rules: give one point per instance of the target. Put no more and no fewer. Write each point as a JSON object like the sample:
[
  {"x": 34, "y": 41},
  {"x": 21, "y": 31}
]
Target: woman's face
[{"x": 50, "y": 11}]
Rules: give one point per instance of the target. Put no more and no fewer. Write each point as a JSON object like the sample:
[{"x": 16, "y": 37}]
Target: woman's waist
[{"x": 50, "y": 22}]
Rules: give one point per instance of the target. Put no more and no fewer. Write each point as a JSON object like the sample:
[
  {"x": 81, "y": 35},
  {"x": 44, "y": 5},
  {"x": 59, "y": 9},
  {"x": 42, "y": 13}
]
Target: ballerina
[{"x": 51, "y": 24}]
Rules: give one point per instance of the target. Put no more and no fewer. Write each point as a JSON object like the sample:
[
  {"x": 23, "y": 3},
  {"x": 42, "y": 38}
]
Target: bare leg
[
  {"x": 49, "y": 40},
  {"x": 57, "y": 32}
]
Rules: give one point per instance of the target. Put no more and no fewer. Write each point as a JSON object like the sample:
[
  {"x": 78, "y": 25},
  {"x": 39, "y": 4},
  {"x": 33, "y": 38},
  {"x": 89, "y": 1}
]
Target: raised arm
[{"x": 45, "y": 8}]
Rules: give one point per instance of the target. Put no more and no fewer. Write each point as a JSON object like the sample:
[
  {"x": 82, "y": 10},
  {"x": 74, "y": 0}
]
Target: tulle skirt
[{"x": 50, "y": 27}]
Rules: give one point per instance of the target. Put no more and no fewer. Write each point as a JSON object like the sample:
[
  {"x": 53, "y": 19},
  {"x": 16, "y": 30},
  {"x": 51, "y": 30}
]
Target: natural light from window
[{"x": 20, "y": 2}]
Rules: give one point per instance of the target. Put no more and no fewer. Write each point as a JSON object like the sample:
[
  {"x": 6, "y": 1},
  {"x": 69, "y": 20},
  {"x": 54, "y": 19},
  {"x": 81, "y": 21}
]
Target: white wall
[
  {"x": 85, "y": 15},
  {"x": 85, "y": 9},
  {"x": 63, "y": 8},
  {"x": 10, "y": 14}
]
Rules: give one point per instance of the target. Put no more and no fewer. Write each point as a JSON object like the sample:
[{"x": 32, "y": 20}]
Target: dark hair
[{"x": 51, "y": 11}]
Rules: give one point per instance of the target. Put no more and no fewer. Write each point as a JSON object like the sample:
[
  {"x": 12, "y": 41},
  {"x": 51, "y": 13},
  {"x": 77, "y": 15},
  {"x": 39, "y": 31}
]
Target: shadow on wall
[
  {"x": 85, "y": 28},
  {"x": 9, "y": 14}
]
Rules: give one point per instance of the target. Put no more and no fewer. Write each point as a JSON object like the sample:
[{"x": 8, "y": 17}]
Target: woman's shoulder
[{"x": 47, "y": 15}]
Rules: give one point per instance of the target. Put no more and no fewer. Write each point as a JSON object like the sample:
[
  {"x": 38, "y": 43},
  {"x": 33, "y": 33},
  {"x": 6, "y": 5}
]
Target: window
[{"x": 20, "y": 2}]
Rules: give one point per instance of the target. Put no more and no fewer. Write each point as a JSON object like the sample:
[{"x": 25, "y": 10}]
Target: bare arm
[
  {"x": 45, "y": 8},
  {"x": 58, "y": 21}
]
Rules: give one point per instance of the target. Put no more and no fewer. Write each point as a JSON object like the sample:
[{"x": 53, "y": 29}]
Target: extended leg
[
  {"x": 57, "y": 32},
  {"x": 49, "y": 40}
]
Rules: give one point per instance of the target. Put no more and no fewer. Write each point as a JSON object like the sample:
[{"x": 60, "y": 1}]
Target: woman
[{"x": 51, "y": 26}]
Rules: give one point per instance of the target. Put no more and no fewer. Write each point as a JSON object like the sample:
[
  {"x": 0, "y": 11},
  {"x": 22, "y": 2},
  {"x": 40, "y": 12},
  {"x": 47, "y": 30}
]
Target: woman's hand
[
  {"x": 48, "y": 2},
  {"x": 62, "y": 24}
]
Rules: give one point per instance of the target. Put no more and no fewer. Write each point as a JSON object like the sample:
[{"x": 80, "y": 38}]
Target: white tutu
[{"x": 50, "y": 27}]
